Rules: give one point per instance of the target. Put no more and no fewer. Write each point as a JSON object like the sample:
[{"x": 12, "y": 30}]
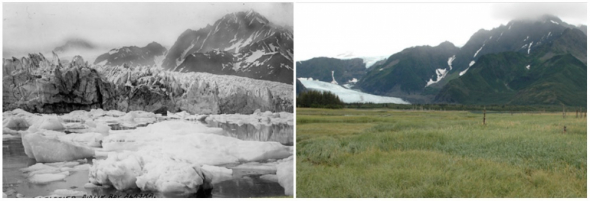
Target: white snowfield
[
  {"x": 176, "y": 157},
  {"x": 440, "y": 74},
  {"x": 465, "y": 71},
  {"x": 347, "y": 95}
]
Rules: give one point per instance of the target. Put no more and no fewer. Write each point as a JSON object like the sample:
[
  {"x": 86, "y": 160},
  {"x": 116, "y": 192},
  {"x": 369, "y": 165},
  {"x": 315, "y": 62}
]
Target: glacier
[{"x": 348, "y": 95}]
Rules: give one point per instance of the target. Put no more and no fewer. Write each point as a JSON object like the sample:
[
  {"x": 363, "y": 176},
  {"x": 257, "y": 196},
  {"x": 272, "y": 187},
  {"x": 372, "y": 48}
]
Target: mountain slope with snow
[
  {"x": 406, "y": 74},
  {"x": 133, "y": 56},
  {"x": 331, "y": 69},
  {"x": 550, "y": 74},
  {"x": 243, "y": 44}
]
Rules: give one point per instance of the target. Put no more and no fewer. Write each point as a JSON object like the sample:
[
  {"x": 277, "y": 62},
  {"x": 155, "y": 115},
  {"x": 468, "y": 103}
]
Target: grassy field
[{"x": 394, "y": 153}]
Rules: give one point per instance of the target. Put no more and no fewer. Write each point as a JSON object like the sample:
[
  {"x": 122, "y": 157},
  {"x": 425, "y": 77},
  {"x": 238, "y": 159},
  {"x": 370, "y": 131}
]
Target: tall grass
[{"x": 365, "y": 153}]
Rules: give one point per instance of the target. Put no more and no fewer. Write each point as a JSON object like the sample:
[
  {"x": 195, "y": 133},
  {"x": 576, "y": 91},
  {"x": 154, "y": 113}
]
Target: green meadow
[{"x": 405, "y": 153}]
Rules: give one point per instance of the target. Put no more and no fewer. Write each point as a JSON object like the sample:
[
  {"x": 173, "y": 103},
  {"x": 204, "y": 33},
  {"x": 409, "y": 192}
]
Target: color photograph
[{"x": 441, "y": 100}]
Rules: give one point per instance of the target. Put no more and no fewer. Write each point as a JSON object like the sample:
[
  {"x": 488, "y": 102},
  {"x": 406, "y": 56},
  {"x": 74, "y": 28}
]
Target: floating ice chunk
[
  {"x": 115, "y": 113},
  {"x": 67, "y": 193},
  {"x": 15, "y": 123},
  {"x": 218, "y": 174},
  {"x": 50, "y": 149},
  {"x": 285, "y": 176},
  {"x": 47, "y": 178},
  {"x": 83, "y": 139},
  {"x": 118, "y": 170},
  {"x": 270, "y": 178},
  {"x": 149, "y": 173},
  {"x": 6, "y": 136},
  {"x": 48, "y": 122},
  {"x": 173, "y": 178}
]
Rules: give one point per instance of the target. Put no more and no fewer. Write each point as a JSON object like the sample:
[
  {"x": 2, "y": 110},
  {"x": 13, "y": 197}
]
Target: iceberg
[
  {"x": 285, "y": 175},
  {"x": 47, "y": 149}
]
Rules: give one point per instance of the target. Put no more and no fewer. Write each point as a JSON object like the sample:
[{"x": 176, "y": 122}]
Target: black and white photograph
[{"x": 142, "y": 100}]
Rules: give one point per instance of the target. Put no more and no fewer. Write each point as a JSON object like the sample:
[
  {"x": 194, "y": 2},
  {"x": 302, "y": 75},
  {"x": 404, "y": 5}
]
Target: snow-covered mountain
[
  {"x": 244, "y": 44},
  {"x": 418, "y": 74},
  {"x": 348, "y": 95},
  {"x": 74, "y": 44},
  {"x": 368, "y": 60},
  {"x": 150, "y": 55},
  {"x": 516, "y": 36}
]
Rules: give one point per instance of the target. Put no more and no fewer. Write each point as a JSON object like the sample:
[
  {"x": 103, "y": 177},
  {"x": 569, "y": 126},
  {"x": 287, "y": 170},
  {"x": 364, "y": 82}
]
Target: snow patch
[
  {"x": 529, "y": 51},
  {"x": 478, "y": 50},
  {"x": 334, "y": 80},
  {"x": 102, "y": 63},
  {"x": 254, "y": 56},
  {"x": 440, "y": 74},
  {"x": 528, "y": 67},
  {"x": 554, "y": 22},
  {"x": 113, "y": 51},
  {"x": 450, "y": 62},
  {"x": 465, "y": 71},
  {"x": 187, "y": 49}
]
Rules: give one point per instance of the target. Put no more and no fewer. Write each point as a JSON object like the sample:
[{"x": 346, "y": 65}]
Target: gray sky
[
  {"x": 40, "y": 27},
  {"x": 382, "y": 29}
]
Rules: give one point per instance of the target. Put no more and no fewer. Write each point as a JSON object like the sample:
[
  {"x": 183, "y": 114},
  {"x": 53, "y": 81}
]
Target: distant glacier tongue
[{"x": 348, "y": 95}]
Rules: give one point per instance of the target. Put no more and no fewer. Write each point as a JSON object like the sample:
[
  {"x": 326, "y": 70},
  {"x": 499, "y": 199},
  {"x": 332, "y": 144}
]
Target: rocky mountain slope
[
  {"x": 325, "y": 69},
  {"x": 37, "y": 84},
  {"x": 150, "y": 55},
  {"x": 553, "y": 73},
  {"x": 423, "y": 74},
  {"x": 244, "y": 44},
  {"x": 406, "y": 74}
]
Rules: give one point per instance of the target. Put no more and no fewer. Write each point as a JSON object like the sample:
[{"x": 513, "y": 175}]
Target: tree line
[{"x": 317, "y": 99}]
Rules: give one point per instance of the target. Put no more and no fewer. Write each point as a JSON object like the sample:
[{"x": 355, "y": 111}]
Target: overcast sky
[
  {"x": 39, "y": 27},
  {"x": 382, "y": 29}
]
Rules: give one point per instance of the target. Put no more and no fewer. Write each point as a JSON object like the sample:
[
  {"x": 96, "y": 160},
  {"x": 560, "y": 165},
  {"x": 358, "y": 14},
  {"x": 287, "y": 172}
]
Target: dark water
[
  {"x": 282, "y": 133},
  {"x": 14, "y": 181}
]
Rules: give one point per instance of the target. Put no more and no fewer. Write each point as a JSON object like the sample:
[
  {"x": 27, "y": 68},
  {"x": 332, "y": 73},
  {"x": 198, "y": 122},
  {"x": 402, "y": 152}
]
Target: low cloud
[{"x": 573, "y": 13}]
